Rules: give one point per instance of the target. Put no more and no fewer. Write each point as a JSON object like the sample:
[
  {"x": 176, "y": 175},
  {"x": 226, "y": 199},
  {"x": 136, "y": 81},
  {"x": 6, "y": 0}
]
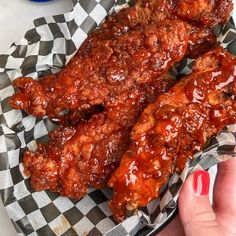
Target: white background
[{"x": 15, "y": 18}]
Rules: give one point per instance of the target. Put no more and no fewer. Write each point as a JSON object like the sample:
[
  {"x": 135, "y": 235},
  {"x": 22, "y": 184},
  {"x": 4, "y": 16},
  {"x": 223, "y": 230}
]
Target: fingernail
[{"x": 201, "y": 183}]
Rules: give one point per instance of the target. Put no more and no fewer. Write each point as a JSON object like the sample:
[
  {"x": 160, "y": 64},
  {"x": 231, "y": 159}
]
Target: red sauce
[{"x": 173, "y": 129}]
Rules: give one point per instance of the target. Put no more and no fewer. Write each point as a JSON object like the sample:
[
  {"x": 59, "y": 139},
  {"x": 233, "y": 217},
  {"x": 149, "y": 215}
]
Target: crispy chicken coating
[
  {"x": 107, "y": 59},
  {"x": 97, "y": 78},
  {"x": 99, "y": 96},
  {"x": 86, "y": 154},
  {"x": 172, "y": 129}
]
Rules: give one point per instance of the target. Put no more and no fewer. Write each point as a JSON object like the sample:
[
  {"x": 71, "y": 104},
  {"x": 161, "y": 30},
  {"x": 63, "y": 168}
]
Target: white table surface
[{"x": 15, "y": 18}]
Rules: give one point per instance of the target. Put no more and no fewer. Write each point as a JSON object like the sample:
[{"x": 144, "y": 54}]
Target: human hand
[{"x": 196, "y": 215}]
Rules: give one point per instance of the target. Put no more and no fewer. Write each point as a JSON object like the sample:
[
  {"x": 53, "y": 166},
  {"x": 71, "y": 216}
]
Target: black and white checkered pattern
[{"x": 45, "y": 49}]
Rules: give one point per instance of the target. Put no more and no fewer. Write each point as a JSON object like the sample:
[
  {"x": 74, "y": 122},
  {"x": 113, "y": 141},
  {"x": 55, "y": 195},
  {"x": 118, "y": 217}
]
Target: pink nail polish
[{"x": 201, "y": 183}]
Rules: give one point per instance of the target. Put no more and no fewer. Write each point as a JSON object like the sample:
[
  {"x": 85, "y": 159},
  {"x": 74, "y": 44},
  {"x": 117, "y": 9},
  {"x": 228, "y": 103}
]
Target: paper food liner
[{"x": 45, "y": 49}]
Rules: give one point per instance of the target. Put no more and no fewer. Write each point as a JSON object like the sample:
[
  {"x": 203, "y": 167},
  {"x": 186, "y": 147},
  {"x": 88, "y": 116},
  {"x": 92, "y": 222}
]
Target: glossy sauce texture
[
  {"x": 108, "y": 57},
  {"x": 172, "y": 129},
  {"x": 85, "y": 154},
  {"x": 100, "y": 94}
]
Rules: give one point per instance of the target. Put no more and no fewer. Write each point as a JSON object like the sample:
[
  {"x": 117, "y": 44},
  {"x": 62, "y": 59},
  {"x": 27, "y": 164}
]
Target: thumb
[{"x": 196, "y": 213}]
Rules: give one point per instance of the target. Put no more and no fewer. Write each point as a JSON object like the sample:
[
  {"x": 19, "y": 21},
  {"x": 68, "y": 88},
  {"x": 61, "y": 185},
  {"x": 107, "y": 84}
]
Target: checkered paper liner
[{"x": 46, "y": 48}]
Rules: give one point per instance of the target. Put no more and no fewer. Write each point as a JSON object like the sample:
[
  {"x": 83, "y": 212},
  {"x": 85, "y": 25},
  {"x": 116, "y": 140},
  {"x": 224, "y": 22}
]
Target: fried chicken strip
[
  {"x": 172, "y": 129},
  {"x": 86, "y": 154},
  {"x": 102, "y": 65}
]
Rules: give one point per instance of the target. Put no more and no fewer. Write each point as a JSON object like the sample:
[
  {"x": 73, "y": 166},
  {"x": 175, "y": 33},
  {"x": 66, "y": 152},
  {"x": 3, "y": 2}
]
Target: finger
[
  {"x": 196, "y": 213},
  {"x": 174, "y": 228},
  {"x": 224, "y": 195}
]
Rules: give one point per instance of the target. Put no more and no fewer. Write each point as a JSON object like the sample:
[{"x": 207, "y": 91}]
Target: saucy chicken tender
[
  {"x": 98, "y": 97},
  {"x": 85, "y": 154},
  {"x": 100, "y": 67},
  {"x": 172, "y": 129},
  {"x": 99, "y": 77}
]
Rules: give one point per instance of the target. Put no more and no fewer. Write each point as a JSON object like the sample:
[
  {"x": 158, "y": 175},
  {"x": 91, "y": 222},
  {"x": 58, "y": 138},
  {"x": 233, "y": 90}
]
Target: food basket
[{"x": 45, "y": 49}]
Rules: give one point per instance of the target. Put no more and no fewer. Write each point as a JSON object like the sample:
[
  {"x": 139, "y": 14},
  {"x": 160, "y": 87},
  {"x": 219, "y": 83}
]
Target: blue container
[{"x": 40, "y": 0}]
